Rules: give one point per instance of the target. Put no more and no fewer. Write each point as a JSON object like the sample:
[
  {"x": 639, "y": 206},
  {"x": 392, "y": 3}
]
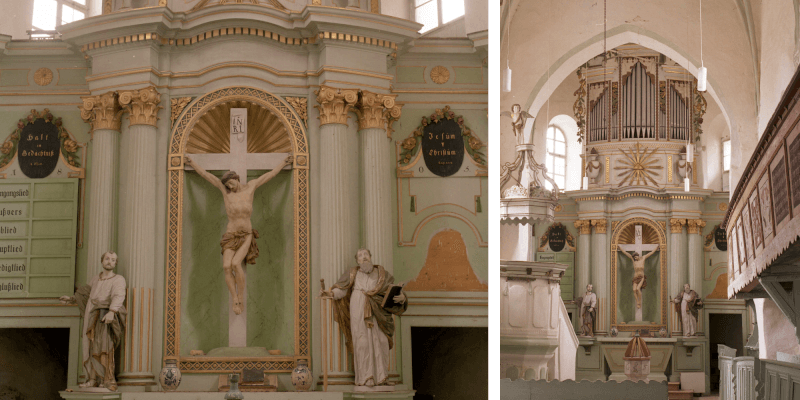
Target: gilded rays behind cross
[
  {"x": 638, "y": 168},
  {"x": 265, "y": 131}
]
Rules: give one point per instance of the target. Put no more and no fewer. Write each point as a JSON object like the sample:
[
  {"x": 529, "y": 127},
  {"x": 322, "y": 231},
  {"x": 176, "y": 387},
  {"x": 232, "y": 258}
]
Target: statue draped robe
[
  {"x": 100, "y": 340},
  {"x": 688, "y": 308},
  {"x": 368, "y": 327}
]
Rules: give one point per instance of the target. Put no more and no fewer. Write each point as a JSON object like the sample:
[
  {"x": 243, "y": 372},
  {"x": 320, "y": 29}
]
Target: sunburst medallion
[{"x": 639, "y": 167}]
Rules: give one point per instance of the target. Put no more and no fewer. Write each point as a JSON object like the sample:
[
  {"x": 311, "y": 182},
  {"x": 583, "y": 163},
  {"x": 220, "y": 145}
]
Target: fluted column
[
  {"x": 694, "y": 229},
  {"x": 582, "y": 272},
  {"x": 600, "y": 281},
  {"x": 339, "y": 214},
  {"x": 374, "y": 112},
  {"x": 137, "y": 232},
  {"x": 677, "y": 271},
  {"x": 103, "y": 112}
]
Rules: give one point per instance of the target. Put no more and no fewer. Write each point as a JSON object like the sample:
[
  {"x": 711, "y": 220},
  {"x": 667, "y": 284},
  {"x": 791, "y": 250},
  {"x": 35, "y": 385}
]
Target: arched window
[
  {"x": 49, "y": 14},
  {"x": 435, "y": 13},
  {"x": 556, "y": 161}
]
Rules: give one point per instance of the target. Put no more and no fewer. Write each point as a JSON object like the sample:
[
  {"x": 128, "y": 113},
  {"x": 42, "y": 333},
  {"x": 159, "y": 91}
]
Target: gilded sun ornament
[
  {"x": 43, "y": 76},
  {"x": 440, "y": 74},
  {"x": 639, "y": 167}
]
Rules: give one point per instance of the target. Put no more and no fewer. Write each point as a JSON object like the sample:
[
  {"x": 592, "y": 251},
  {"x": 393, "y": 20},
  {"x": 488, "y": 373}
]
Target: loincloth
[
  {"x": 235, "y": 240},
  {"x": 638, "y": 279}
]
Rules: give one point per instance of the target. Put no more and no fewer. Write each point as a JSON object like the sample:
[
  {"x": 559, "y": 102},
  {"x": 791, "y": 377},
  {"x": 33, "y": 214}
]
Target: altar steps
[{"x": 675, "y": 393}]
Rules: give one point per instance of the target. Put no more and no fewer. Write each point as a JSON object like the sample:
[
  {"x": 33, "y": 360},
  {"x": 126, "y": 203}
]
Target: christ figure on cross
[
  {"x": 639, "y": 279},
  {"x": 238, "y": 242}
]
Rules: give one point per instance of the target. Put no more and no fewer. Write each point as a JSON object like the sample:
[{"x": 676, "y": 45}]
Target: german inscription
[
  {"x": 557, "y": 238},
  {"x": 721, "y": 239},
  {"x": 443, "y": 147},
  {"x": 39, "y": 149}
]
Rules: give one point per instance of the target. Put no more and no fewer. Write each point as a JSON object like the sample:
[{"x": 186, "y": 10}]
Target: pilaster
[
  {"x": 582, "y": 274},
  {"x": 600, "y": 280},
  {"x": 104, "y": 113},
  {"x": 694, "y": 228},
  {"x": 137, "y": 232},
  {"x": 373, "y": 111},
  {"x": 339, "y": 213},
  {"x": 677, "y": 259}
]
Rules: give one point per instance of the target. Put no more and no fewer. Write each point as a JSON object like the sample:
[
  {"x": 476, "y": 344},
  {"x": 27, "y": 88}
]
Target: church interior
[
  {"x": 650, "y": 189},
  {"x": 137, "y": 133}
]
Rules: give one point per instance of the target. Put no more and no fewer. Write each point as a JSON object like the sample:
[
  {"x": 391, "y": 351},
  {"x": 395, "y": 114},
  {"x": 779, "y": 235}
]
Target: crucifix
[
  {"x": 238, "y": 243},
  {"x": 638, "y": 257}
]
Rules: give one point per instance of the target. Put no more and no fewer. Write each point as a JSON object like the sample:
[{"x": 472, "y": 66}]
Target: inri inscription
[
  {"x": 38, "y": 149},
  {"x": 443, "y": 147}
]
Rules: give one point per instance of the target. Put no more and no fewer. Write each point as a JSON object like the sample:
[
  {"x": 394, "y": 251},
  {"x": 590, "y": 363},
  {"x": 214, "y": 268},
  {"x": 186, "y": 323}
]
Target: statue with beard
[
  {"x": 687, "y": 305},
  {"x": 368, "y": 327}
]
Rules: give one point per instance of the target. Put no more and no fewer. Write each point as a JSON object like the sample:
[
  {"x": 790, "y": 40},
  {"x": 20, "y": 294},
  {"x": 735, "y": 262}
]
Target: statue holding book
[{"x": 364, "y": 299}]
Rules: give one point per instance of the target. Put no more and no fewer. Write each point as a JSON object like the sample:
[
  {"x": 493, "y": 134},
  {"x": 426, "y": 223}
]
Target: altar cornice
[
  {"x": 306, "y": 24},
  {"x": 663, "y": 194}
]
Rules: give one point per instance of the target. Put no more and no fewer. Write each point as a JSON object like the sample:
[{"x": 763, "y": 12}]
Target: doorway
[{"x": 723, "y": 329}]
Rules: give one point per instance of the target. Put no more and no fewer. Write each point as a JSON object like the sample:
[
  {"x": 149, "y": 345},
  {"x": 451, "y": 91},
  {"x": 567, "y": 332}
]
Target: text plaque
[
  {"x": 721, "y": 239},
  {"x": 39, "y": 149},
  {"x": 38, "y": 221},
  {"x": 443, "y": 147}
]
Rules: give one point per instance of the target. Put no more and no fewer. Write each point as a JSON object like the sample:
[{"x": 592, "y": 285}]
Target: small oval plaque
[
  {"x": 443, "y": 147},
  {"x": 38, "y": 149}
]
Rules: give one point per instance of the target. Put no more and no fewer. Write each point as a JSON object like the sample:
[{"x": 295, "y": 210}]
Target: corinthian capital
[
  {"x": 102, "y": 111},
  {"x": 695, "y": 226},
  {"x": 600, "y": 225},
  {"x": 334, "y": 104},
  {"x": 141, "y": 105},
  {"x": 375, "y": 110},
  {"x": 676, "y": 225},
  {"x": 584, "y": 225}
]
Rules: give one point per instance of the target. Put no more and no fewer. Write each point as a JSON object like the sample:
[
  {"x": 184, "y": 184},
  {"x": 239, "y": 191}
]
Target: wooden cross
[
  {"x": 640, "y": 248},
  {"x": 239, "y": 161}
]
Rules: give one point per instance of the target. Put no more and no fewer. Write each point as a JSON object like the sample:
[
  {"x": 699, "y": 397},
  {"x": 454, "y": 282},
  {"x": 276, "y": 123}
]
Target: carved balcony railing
[{"x": 763, "y": 218}]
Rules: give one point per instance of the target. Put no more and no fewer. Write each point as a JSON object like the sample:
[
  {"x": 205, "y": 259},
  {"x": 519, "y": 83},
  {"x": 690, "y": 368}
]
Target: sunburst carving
[
  {"x": 628, "y": 235},
  {"x": 265, "y": 131},
  {"x": 639, "y": 167}
]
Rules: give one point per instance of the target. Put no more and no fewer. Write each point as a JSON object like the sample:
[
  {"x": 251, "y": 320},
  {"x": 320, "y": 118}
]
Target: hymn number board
[{"x": 37, "y": 237}]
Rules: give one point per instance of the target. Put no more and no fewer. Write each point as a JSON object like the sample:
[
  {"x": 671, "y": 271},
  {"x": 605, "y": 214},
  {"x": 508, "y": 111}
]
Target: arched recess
[
  {"x": 620, "y": 35},
  {"x": 300, "y": 178},
  {"x": 652, "y": 233}
]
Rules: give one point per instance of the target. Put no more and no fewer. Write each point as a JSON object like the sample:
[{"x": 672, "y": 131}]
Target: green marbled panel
[
  {"x": 14, "y": 77},
  {"x": 51, "y": 191},
  {"x": 204, "y": 296},
  {"x": 50, "y": 284},
  {"x": 71, "y": 77},
  {"x": 51, "y": 247},
  {"x": 410, "y": 74},
  {"x": 50, "y": 265},
  {"x": 53, "y": 209},
  {"x": 472, "y": 75},
  {"x": 651, "y": 301},
  {"x": 52, "y": 228}
]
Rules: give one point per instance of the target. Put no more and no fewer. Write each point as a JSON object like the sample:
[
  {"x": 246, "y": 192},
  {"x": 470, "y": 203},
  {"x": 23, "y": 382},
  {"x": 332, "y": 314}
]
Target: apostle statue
[
  {"x": 588, "y": 311},
  {"x": 238, "y": 243},
  {"x": 361, "y": 311},
  {"x": 102, "y": 304},
  {"x": 687, "y": 304}
]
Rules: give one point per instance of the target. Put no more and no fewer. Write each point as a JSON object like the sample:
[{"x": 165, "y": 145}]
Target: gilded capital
[
  {"x": 375, "y": 110},
  {"x": 102, "y": 111},
  {"x": 695, "y": 226},
  {"x": 600, "y": 225},
  {"x": 334, "y": 104},
  {"x": 141, "y": 105},
  {"x": 676, "y": 225},
  {"x": 584, "y": 225}
]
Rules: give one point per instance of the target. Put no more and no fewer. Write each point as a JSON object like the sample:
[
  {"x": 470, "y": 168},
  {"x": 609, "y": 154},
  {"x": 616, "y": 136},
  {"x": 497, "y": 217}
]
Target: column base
[{"x": 138, "y": 382}]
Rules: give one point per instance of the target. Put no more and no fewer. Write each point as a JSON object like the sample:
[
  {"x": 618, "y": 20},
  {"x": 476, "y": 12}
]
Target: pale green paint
[
  {"x": 14, "y": 77},
  {"x": 410, "y": 74},
  {"x": 568, "y": 280},
  {"x": 44, "y": 252},
  {"x": 409, "y": 260},
  {"x": 270, "y": 317},
  {"x": 468, "y": 75},
  {"x": 69, "y": 77},
  {"x": 651, "y": 295}
]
